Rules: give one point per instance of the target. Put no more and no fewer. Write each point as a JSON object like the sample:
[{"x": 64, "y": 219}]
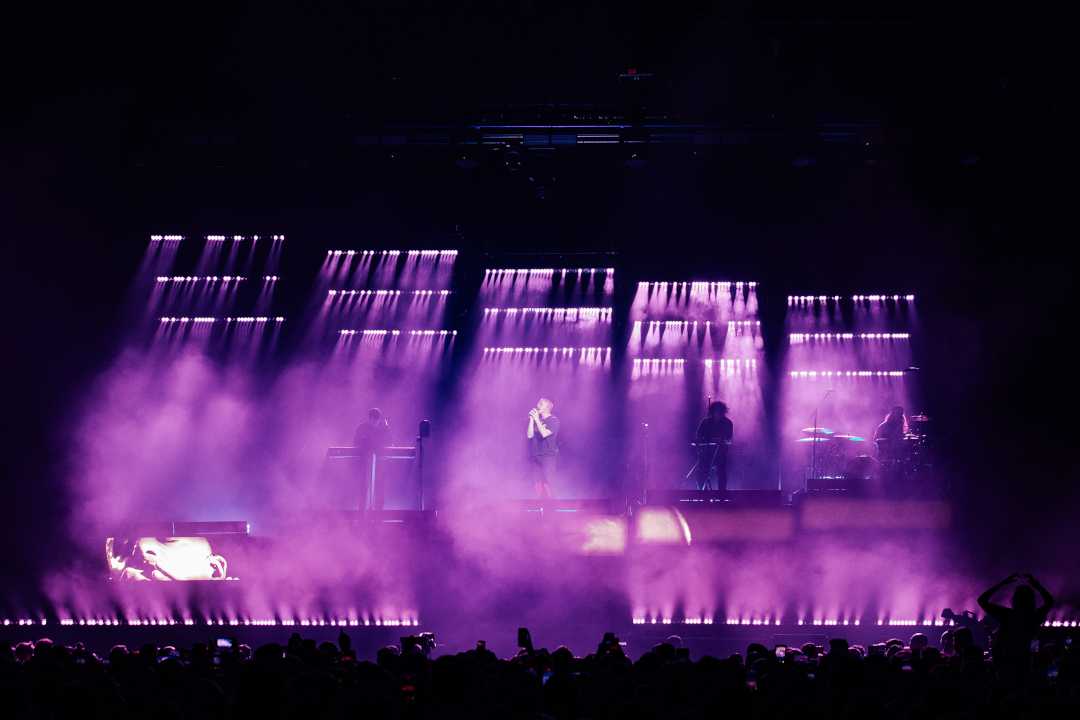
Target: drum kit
[
  {"x": 831, "y": 452},
  {"x": 844, "y": 455}
]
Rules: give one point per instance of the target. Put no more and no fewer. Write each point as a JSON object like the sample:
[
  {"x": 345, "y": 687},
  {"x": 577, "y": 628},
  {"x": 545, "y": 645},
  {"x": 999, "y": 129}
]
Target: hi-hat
[
  {"x": 814, "y": 439},
  {"x": 817, "y": 431}
]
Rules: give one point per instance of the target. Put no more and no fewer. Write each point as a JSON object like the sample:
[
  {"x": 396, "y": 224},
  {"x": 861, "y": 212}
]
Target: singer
[
  {"x": 370, "y": 438},
  {"x": 543, "y": 437}
]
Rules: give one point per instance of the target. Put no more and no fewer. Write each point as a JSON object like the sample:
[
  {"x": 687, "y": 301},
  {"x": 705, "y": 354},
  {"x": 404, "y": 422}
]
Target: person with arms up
[{"x": 1018, "y": 627}]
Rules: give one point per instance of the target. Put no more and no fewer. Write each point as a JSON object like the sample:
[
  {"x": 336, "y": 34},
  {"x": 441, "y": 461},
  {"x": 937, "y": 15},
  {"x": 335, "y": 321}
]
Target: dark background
[{"x": 892, "y": 151}]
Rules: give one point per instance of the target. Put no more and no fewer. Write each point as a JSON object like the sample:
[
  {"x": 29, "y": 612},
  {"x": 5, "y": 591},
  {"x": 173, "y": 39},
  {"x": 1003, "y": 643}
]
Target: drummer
[{"x": 889, "y": 435}]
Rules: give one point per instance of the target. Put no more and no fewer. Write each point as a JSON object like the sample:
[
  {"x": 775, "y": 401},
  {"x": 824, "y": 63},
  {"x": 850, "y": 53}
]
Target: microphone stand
[
  {"x": 644, "y": 463},
  {"x": 813, "y": 449}
]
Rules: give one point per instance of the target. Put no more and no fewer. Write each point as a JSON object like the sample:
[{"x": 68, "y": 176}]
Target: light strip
[
  {"x": 383, "y": 333},
  {"x": 208, "y": 320},
  {"x": 811, "y": 337},
  {"x": 199, "y": 278},
  {"x": 845, "y": 373},
  {"x": 384, "y": 293},
  {"x": 421, "y": 253},
  {"x": 544, "y": 350},
  {"x": 232, "y": 622},
  {"x": 883, "y": 298},
  {"x": 545, "y": 271},
  {"x": 730, "y": 362},
  {"x": 807, "y": 299},
  {"x": 237, "y": 238},
  {"x": 166, "y": 238},
  {"x": 697, "y": 285},
  {"x": 800, "y": 299},
  {"x": 567, "y": 313}
]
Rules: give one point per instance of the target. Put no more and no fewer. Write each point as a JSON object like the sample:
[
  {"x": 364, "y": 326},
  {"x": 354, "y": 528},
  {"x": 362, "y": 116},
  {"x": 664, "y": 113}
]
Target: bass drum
[
  {"x": 862, "y": 467},
  {"x": 864, "y": 475}
]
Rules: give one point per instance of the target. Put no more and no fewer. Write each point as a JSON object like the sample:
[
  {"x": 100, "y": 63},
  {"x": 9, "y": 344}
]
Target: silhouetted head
[
  {"x": 717, "y": 409},
  {"x": 946, "y": 642},
  {"x": 1023, "y": 598},
  {"x": 374, "y": 415},
  {"x": 918, "y": 642},
  {"x": 897, "y": 413},
  {"x": 838, "y": 646}
]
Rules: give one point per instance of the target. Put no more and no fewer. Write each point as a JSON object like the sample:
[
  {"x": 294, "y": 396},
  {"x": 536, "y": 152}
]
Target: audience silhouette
[{"x": 303, "y": 678}]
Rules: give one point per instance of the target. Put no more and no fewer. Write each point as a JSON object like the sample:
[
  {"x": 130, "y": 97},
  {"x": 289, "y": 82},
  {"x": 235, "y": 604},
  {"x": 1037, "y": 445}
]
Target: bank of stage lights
[
  {"x": 554, "y": 350},
  {"x": 393, "y": 253},
  {"x": 696, "y": 285},
  {"x": 757, "y": 621},
  {"x": 199, "y": 278},
  {"x": 238, "y": 238},
  {"x": 389, "y": 293},
  {"x": 812, "y": 374},
  {"x": 797, "y": 338},
  {"x": 726, "y": 363},
  {"x": 210, "y": 320},
  {"x": 500, "y": 272},
  {"x": 219, "y": 622},
  {"x": 773, "y": 621},
  {"x": 395, "y": 333},
  {"x": 602, "y": 314},
  {"x": 810, "y": 299}
]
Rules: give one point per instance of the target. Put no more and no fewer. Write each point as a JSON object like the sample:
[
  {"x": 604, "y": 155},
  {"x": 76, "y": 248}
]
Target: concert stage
[{"x": 716, "y": 568}]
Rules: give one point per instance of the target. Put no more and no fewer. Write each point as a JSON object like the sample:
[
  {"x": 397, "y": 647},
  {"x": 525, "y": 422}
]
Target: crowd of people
[{"x": 1025, "y": 673}]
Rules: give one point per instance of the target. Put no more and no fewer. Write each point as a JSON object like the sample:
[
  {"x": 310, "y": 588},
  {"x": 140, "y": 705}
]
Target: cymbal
[
  {"x": 817, "y": 431},
  {"x": 918, "y": 418},
  {"x": 850, "y": 438},
  {"x": 814, "y": 439}
]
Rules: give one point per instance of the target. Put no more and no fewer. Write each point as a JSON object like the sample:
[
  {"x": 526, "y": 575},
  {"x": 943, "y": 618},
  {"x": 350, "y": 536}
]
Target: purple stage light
[
  {"x": 816, "y": 374},
  {"x": 182, "y": 320},
  {"x": 810, "y": 299},
  {"x": 732, "y": 363},
  {"x": 370, "y": 333},
  {"x": 198, "y": 278},
  {"x": 564, "y": 350},
  {"x": 648, "y": 367},
  {"x": 166, "y": 238},
  {"x": 271, "y": 278},
  {"x": 387, "y": 293},
  {"x": 215, "y": 238},
  {"x": 255, "y": 319},
  {"x": 499, "y": 272},
  {"x": 695, "y": 288},
  {"x": 882, "y": 298},
  {"x": 570, "y": 314},
  {"x": 800, "y": 338}
]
